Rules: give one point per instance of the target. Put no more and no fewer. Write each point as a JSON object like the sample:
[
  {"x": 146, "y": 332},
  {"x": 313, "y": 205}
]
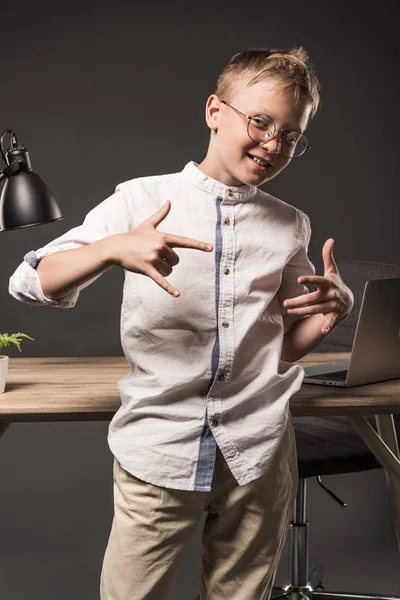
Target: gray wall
[{"x": 103, "y": 93}]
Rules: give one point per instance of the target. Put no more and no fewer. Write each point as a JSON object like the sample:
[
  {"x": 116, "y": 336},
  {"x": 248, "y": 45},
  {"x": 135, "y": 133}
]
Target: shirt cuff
[{"x": 32, "y": 259}]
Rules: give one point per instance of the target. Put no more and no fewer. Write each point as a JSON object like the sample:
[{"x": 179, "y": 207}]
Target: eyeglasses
[{"x": 262, "y": 129}]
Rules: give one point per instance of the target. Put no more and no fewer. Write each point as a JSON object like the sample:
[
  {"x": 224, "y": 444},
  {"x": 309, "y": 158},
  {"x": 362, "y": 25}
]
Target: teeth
[{"x": 259, "y": 161}]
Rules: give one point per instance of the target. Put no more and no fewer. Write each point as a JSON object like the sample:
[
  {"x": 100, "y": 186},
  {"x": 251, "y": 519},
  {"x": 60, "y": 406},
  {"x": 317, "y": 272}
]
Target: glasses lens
[
  {"x": 261, "y": 128},
  {"x": 293, "y": 144}
]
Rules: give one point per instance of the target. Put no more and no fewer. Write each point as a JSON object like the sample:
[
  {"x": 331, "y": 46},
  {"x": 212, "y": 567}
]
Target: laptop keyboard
[{"x": 338, "y": 376}]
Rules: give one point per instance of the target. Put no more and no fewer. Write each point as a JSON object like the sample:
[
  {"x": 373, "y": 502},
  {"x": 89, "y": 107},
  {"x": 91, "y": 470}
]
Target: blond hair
[{"x": 291, "y": 67}]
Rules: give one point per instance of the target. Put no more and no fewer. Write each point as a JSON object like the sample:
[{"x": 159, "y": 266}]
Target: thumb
[{"x": 158, "y": 216}]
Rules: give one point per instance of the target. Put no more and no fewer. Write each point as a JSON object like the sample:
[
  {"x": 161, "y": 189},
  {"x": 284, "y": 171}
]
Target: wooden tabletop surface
[{"x": 85, "y": 388}]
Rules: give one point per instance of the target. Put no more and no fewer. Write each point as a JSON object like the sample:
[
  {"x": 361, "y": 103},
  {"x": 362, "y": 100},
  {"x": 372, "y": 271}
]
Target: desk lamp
[{"x": 25, "y": 200}]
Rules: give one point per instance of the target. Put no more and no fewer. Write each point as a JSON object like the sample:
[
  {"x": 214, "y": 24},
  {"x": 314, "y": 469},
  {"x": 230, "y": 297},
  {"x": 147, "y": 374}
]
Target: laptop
[{"x": 375, "y": 355}]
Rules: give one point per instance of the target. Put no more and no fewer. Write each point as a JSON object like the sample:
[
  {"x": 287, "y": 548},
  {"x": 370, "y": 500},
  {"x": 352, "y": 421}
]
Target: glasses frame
[{"x": 250, "y": 117}]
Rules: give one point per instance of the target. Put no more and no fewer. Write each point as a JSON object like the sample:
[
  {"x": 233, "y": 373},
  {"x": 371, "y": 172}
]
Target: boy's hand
[
  {"x": 148, "y": 251},
  {"x": 333, "y": 298}
]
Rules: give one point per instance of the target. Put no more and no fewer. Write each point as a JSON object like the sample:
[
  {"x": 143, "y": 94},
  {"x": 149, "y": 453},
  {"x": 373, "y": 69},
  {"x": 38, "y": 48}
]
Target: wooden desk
[{"x": 85, "y": 389}]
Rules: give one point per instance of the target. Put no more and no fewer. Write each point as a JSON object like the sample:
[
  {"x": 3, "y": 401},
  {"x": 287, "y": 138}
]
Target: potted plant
[{"x": 6, "y": 339}]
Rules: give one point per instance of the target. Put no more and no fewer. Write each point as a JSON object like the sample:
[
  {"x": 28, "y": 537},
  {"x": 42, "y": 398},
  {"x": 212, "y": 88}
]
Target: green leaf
[{"x": 14, "y": 338}]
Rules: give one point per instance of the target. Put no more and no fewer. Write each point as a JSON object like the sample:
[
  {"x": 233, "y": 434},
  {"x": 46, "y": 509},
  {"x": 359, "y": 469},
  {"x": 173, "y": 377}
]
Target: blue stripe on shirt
[{"x": 206, "y": 458}]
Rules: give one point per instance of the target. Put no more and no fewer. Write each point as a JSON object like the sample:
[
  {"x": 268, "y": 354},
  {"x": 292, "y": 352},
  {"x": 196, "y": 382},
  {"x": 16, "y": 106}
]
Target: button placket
[
  {"x": 225, "y": 309},
  {"x": 226, "y": 300}
]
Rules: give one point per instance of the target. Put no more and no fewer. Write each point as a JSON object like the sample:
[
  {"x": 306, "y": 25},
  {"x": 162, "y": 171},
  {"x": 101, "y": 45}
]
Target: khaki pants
[{"x": 243, "y": 537}]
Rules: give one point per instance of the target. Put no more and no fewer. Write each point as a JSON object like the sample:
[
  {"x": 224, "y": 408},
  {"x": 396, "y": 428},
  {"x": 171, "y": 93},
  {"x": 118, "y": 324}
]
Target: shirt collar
[{"x": 192, "y": 173}]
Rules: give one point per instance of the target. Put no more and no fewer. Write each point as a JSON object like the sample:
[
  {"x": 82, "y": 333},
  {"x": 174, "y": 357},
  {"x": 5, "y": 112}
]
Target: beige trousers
[{"x": 243, "y": 536}]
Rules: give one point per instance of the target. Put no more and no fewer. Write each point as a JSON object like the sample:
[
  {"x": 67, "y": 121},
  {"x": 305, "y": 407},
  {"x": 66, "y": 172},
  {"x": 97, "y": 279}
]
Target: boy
[{"x": 204, "y": 423}]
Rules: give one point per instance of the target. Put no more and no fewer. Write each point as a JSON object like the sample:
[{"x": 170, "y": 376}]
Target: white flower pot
[{"x": 3, "y": 372}]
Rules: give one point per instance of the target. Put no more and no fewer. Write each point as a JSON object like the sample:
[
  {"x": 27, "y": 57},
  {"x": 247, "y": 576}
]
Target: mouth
[{"x": 259, "y": 163}]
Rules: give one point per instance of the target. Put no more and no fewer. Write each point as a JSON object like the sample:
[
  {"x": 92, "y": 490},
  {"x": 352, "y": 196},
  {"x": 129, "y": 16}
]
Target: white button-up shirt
[{"x": 205, "y": 366}]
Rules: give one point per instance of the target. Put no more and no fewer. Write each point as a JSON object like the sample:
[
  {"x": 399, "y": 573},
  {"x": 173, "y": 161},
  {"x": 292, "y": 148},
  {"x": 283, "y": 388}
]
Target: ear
[{"x": 213, "y": 112}]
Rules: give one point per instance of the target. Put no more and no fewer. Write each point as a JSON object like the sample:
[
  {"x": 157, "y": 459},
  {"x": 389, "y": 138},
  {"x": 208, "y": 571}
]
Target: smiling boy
[{"x": 204, "y": 422}]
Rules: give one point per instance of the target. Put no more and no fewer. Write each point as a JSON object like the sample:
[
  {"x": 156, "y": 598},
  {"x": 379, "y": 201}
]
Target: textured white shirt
[{"x": 205, "y": 367}]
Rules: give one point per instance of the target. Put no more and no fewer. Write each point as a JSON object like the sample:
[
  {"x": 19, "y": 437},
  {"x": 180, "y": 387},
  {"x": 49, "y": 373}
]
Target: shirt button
[
  {"x": 227, "y": 221},
  {"x": 221, "y": 377},
  {"x": 226, "y": 271},
  {"x": 225, "y": 324},
  {"x": 229, "y": 192},
  {"x": 214, "y": 421}
]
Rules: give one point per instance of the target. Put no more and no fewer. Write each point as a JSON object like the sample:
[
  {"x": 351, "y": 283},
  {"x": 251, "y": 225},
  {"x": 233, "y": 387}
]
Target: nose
[{"x": 273, "y": 144}]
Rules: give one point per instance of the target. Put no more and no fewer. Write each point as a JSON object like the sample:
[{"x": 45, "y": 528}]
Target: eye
[
  {"x": 291, "y": 137},
  {"x": 262, "y": 122}
]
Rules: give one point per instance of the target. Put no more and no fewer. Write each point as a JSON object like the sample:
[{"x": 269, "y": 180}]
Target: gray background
[{"x": 104, "y": 93}]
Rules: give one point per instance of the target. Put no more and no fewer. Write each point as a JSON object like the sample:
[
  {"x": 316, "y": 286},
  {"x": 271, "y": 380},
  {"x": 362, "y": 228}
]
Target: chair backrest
[{"x": 355, "y": 274}]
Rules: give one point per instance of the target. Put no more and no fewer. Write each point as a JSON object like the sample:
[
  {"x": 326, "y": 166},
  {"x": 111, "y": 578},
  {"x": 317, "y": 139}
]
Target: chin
[
  {"x": 270, "y": 176},
  {"x": 257, "y": 180}
]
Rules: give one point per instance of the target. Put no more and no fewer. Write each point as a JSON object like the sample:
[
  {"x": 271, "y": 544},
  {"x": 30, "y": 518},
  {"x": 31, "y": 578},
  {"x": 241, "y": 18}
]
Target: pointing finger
[{"x": 181, "y": 241}]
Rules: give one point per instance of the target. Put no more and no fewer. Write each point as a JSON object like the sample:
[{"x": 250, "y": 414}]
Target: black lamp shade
[{"x": 26, "y": 201}]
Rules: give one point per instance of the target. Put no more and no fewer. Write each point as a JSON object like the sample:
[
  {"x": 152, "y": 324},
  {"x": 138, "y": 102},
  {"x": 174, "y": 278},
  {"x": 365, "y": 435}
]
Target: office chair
[{"x": 328, "y": 446}]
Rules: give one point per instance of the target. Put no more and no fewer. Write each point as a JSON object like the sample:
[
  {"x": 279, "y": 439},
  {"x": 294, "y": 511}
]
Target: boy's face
[{"x": 227, "y": 158}]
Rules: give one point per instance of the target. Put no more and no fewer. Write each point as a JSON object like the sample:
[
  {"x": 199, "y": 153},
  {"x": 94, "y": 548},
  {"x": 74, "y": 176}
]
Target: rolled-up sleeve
[
  {"x": 116, "y": 214},
  {"x": 298, "y": 265}
]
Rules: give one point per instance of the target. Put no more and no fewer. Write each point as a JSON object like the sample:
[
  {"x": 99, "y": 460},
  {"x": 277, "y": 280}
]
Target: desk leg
[
  {"x": 3, "y": 428},
  {"x": 377, "y": 443},
  {"x": 387, "y": 431}
]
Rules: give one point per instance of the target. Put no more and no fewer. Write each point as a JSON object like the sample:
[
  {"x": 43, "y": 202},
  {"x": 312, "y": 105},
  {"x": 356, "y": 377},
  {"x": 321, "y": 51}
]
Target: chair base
[
  {"x": 305, "y": 585},
  {"x": 290, "y": 592},
  {"x": 306, "y": 593}
]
